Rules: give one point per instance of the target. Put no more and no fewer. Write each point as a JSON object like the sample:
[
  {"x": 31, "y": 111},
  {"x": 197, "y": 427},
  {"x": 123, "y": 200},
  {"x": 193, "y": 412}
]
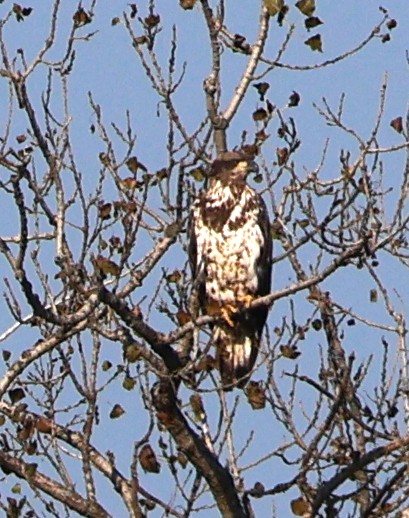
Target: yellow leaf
[
  {"x": 314, "y": 43},
  {"x": 307, "y": 7},
  {"x": 273, "y": 6},
  {"x": 300, "y": 507}
]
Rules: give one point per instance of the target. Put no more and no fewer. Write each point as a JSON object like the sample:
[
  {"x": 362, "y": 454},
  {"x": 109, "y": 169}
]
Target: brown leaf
[
  {"x": 21, "y": 138},
  {"x": 134, "y": 10},
  {"x": 294, "y": 99},
  {"x": 132, "y": 353},
  {"x": 6, "y": 355},
  {"x": 43, "y": 425},
  {"x": 16, "y": 395},
  {"x": 290, "y": 351},
  {"x": 314, "y": 42},
  {"x": 386, "y": 38},
  {"x": 196, "y": 404},
  {"x": 182, "y": 459},
  {"x": 117, "y": 411},
  {"x": 21, "y": 12},
  {"x": 311, "y": 22},
  {"x": 260, "y": 114},
  {"x": 317, "y": 324},
  {"x": 152, "y": 20},
  {"x": 129, "y": 183},
  {"x": 148, "y": 460},
  {"x": 129, "y": 383},
  {"x": 106, "y": 266},
  {"x": 392, "y": 24},
  {"x": 183, "y": 317},
  {"x": 257, "y": 491},
  {"x": 187, "y": 4},
  {"x": 81, "y": 17},
  {"x": 307, "y": 7},
  {"x": 106, "y": 365},
  {"x": 273, "y": 7},
  {"x": 262, "y": 89},
  {"x": 256, "y": 395},
  {"x": 300, "y": 507},
  {"x": 105, "y": 211},
  {"x": 397, "y": 124},
  {"x": 133, "y": 165},
  {"x": 115, "y": 21},
  {"x": 174, "y": 277},
  {"x": 282, "y": 155},
  {"x": 373, "y": 295}
]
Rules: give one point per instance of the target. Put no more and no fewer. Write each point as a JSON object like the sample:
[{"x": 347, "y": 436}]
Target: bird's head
[{"x": 232, "y": 167}]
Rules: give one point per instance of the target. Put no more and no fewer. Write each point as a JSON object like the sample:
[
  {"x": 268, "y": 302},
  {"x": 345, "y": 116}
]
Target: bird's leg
[
  {"x": 227, "y": 312},
  {"x": 246, "y": 300}
]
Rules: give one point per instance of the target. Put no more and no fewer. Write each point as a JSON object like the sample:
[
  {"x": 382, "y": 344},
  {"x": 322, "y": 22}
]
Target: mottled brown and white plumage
[{"x": 230, "y": 255}]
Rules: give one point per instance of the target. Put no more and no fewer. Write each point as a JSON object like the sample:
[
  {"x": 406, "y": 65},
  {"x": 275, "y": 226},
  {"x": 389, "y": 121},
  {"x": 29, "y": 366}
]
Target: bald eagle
[{"x": 230, "y": 251}]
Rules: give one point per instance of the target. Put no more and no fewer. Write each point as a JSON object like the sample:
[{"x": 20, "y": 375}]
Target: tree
[{"x": 111, "y": 404}]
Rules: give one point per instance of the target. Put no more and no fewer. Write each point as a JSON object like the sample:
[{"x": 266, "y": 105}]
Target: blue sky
[{"x": 108, "y": 67}]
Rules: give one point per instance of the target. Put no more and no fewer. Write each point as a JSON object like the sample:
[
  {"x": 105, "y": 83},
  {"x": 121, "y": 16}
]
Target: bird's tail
[{"x": 236, "y": 353}]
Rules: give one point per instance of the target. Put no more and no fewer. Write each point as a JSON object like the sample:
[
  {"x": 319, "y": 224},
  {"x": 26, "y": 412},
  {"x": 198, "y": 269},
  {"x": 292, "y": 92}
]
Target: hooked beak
[{"x": 253, "y": 167}]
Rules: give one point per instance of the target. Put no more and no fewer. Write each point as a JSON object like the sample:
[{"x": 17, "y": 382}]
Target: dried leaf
[
  {"x": 115, "y": 21},
  {"x": 132, "y": 353},
  {"x": 282, "y": 155},
  {"x": 21, "y": 138},
  {"x": 187, "y": 4},
  {"x": 106, "y": 365},
  {"x": 16, "y": 489},
  {"x": 16, "y": 395},
  {"x": 183, "y": 317},
  {"x": 174, "y": 277},
  {"x": 290, "y": 351},
  {"x": 106, "y": 266},
  {"x": 314, "y": 42},
  {"x": 316, "y": 324},
  {"x": 129, "y": 183},
  {"x": 182, "y": 459},
  {"x": 6, "y": 355},
  {"x": 294, "y": 99},
  {"x": 129, "y": 383},
  {"x": 152, "y": 20},
  {"x": 307, "y": 7},
  {"x": 257, "y": 491},
  {"x": 198, "y": 174},
  {"x": 117, "y": 411},
  {"x": 81, "y": 17},
  {"x": 172, "y": 230},
  {"x": 134, "y": 10},
  {"x": 273, "y": 6},
  {"x": 31, "y": 469},
  {"x": 373, "y": 295},
  {"x": 105, "y": 211},
  {"x": 256, "y": 395},
  {"x": 133, "y": 165},
  {"x": 148, "y": 460},
  {"x": 392, "y": 24},
  {"x": 397, "y": 124},
  {"x": 262, "y": 89},
  {"x": 300, "y": 507},
  {"x": 311, "y": 22},
  {"x": 260, "y": 114},
  {"x": 43, "y": 425},
  {"x": 196, "y": 404}
]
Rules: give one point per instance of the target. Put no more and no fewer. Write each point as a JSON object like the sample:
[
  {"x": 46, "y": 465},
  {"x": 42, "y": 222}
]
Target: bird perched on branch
[{"x": 230, "y": 256}]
